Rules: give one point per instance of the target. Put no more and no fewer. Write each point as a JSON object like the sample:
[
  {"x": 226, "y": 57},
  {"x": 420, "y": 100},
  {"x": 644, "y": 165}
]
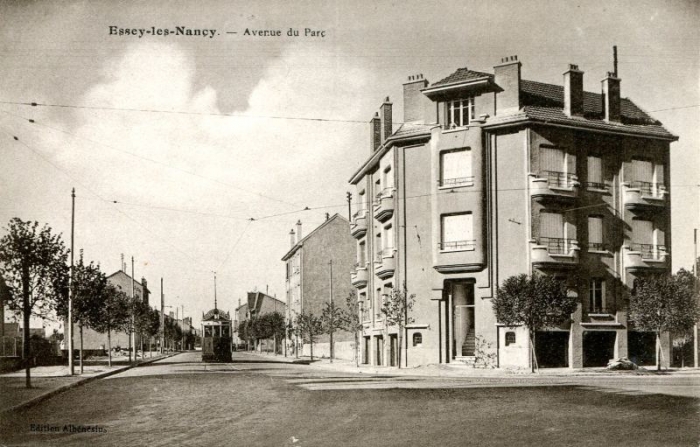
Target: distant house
[
  {"x": 257, "y": 304},
  {"x": 93, "y": 340},
  {"x": 308, "y": 277}
]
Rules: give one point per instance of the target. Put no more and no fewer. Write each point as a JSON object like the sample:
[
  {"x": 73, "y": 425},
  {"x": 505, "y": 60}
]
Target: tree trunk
[
  {"x": 658, "y": 351},
  {"x": 357, "y": 346},
  {"x": 534, "y": 355},
  {"x": 109, "y": 347},
  {"x": 81, "y": 348},
  {"x": 312, "y": 349},
  {"x": 26, "y": 313},
  {"x": 400, "y": 346}
]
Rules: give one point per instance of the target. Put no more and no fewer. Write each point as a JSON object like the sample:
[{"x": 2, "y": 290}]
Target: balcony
[
  {"x": 553, "y": 185},
  {"x": 384, "y": 205},
  {"x": 457, "y": 245},
  {"x": 642, "y": 196},
  {"x": 598, "y": 187},
  {"x": 385, "y": 263},
  {"x": 641, "y": 258},
  {"x": 358, "y": 227},
  {"x": 359, "y": 276},
  {"x": 600, "y": 317},
  {"x": 555, "y": 253}
]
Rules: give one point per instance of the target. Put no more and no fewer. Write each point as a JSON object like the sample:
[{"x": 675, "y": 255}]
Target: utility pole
[
  {"x": 695, "y": 271},
  {"x": 132, "y": 340},
  {"x": 349, "y": 195},
  {"x": 162, "y": 316},
  {"x": 215, "y": 307},
  {"x": 71, "y": 366},
  {"x": 330, "y": 264}
]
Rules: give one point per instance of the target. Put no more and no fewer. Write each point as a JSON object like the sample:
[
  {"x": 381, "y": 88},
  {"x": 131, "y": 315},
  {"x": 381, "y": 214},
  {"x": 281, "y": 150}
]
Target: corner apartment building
[
  {"x": 490, "y": 175},
  {"x": 308, "y": 277}
]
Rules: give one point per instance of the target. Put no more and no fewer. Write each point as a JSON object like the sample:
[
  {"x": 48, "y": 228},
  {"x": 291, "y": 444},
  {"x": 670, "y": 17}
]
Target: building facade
[
  {"x": 489, "y": 176},
  {"x": 258, "y": 304},
  {"x": 326, "y": 256}
]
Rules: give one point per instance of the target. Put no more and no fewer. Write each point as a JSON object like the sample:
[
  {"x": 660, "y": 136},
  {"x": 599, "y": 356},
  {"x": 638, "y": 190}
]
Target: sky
[{"x": 174, "y": 143}]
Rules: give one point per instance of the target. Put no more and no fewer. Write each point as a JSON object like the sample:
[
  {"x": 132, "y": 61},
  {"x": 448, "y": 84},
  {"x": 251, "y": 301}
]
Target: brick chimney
[
  {"x": 573, "y": 91},
  {"x": 611, "y": 97},
  {"x": 507, "y": 77},
  {"x": 298, "y": 230},
  {"x": 292, "y": 240},
  {"x": 375, "y": 133},
  {"x": 386, "y": 118},
  {"x": 415, "y": 102}
]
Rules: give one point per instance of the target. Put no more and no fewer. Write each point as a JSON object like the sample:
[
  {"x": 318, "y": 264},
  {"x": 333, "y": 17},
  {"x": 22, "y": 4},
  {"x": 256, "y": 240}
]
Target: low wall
[{"x": 344, "y": 350}]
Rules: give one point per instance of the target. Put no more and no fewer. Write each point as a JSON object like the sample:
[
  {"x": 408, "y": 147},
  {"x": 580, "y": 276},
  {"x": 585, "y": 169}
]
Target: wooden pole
[{"x": 71, "y": 366}]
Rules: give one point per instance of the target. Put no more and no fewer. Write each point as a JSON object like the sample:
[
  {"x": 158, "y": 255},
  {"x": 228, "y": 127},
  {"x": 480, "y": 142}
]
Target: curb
[{"x": 80, "y": 382}]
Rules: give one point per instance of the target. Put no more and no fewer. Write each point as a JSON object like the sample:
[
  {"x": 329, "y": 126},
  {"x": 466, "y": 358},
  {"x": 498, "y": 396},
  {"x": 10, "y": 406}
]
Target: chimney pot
[
  {"x": 298, "y": 231},
  {"x": 611, "y": 98}
]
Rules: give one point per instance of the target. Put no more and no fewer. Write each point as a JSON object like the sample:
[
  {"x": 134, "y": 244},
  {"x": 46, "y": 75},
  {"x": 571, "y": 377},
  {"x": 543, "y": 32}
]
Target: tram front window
[
  {"x": 207, "y": 331},
  {"x": 224, "y": 331}
]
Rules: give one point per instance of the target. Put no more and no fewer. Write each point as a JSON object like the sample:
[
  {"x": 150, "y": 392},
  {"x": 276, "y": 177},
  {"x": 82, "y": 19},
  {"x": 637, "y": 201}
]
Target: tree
[
  {"x": 113, "y": 315},
  {"x": 277, "y": 329},
  {"x": 33, "y": 261},
  {"x": 396, "y": 308},
  {"x": 353, "y": 322},
  {"x": 310, "y": 326},
  {"x": 142, "y": 317},
  {"x": 87, "y": 292},
  {"x": 333, "y": 318},
  {"x": 535, "y": 302},
  {"x": 665, "y": 303}
]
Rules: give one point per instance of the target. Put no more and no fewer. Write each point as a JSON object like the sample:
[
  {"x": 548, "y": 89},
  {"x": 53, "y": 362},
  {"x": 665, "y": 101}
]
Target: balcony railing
[
  {"x": 557, "y": 245},
  {"x": 457, "y": 245},
  {"x": 459, "y": 181},
  {"x": 603, "y": 310},
  {"x": 558, "y": 179},
  {"x": 598, "y": 246},
  {"x": 649, "y": 251},
  {"x": 649, "y": 189},
  {"x": 597, "y": 185}
]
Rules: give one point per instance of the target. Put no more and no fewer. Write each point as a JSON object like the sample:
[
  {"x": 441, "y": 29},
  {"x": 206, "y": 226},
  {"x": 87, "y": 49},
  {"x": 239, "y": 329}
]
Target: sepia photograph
[{"x": 349, "y": 223}]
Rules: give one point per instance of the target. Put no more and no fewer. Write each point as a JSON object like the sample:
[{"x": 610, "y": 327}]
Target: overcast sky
[{"x": 188, "y": 184}]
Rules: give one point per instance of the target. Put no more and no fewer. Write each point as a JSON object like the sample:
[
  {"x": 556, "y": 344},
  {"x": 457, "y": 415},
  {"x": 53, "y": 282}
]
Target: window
[
  {"x": 648, "y": 239},
  {"x": 378, "y": 304},
  {"x": 361, "y": 254},
  {"x": 460, "y": 112},
  {"x": 595, "y": 173},
  {"x": 647, "y": 176},
  {"x": 417, "y": 339},
  {"x": 556, "y": 233},
  {"x": 595, "y": 234},
  {"x": 456, "y": 168},
  {"x": 557, "y": 166},
  {"x": 388, "y": 177},
  {"x": 388, "y": 239},
  {"x": 510, "y": 338},
  {"x": 457, "y": 233},
  {"x": 597, "y": 295},
  {"x": 361, "y": 205}
]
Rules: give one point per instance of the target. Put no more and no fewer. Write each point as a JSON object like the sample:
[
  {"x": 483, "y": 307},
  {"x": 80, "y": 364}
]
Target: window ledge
[
  {"x": 455, "y": 129},
  {"x": 462, "y": 185},
  {"x": 599, "y": 191},
  {"x": 456, "y": 250},
  {"x": 601, "y": 252}
]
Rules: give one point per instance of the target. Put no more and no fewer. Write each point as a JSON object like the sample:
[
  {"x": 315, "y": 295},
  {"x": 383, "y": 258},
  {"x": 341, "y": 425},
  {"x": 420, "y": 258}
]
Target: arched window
[
  {"x": 417, "y": 339},
  {"x": 510, "y": 338}
]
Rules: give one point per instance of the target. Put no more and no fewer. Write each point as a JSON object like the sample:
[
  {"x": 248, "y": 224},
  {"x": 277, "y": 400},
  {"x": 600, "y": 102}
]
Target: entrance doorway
[
  {"x": 598, "y": 347},
  {"x": 366, "y": 350},
  {"x": 380, "y": 350},
  {"x": 552, "y": 349},
  {"x": 394, "y": 350},
  {"x": 461, "y": 331}
]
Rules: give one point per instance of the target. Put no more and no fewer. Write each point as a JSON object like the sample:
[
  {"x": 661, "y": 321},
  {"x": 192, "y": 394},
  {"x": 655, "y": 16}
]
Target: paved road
[{"x": 182, "y": 401}]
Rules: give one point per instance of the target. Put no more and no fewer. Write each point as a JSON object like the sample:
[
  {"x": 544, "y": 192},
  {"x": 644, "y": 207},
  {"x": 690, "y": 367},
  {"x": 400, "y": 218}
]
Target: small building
[{"x": 256, "y": 305}]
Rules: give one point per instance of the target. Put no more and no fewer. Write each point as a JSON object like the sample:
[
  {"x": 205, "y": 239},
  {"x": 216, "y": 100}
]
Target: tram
[{"x": 216, "y": 336}]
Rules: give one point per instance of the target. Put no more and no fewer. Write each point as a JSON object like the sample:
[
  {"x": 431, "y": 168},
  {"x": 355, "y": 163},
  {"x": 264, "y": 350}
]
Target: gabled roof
[
  {"x": 255, "y": 301},
  {"x": 299, "y": 244},
  {"x": 129, "y": 277},
  {"x": 461, "y": 75}
]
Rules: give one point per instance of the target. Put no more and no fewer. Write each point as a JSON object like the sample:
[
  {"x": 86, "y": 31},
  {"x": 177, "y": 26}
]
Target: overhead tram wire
[
  {"x": 96, "y": 194},
  {"x": 175, "y": 168}
]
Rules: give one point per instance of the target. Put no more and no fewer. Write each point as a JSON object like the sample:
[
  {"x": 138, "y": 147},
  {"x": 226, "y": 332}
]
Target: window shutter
[
  {"x": 659, "y": 174},
  {"x": 641, "y": 171},
  {"x": 551, "y": 159},
  {"x": 551, "y": 225},
  {"x": 642, "y": 231},
  {"x": 571, "y": 164},
  {"x": 595, "y": 230},
  {"x": 595, "y": 170},
  {"x": 456, "y": 164}
]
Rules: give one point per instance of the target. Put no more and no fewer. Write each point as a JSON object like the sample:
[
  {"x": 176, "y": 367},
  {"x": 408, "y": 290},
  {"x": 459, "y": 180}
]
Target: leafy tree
[
  {"x": 310, "y": 326},
  {"x": 665, "y": 303},
  {"x": 535, "y": 302},
  {"x": 333, "y": 319},
  {"x": 113, "y": 315},
  {"x": 142, "y": 317},
  {"x": 353, "y": 322},
  {"x": 396, "y": 308},
  {"x": 87, "y": 292},
  {"x": 33, "y": 265},
  {"x": 275, "y": 321}
]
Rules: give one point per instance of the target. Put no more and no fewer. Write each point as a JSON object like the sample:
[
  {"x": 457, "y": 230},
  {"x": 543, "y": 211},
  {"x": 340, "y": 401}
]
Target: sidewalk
[
  {"x": 463, "y": 370},
  {"x": 50, "y": 380}
]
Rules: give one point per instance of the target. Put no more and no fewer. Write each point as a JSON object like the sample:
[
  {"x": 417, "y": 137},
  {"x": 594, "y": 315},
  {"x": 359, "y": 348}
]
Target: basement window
[{"x": 417, "y": 339}]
